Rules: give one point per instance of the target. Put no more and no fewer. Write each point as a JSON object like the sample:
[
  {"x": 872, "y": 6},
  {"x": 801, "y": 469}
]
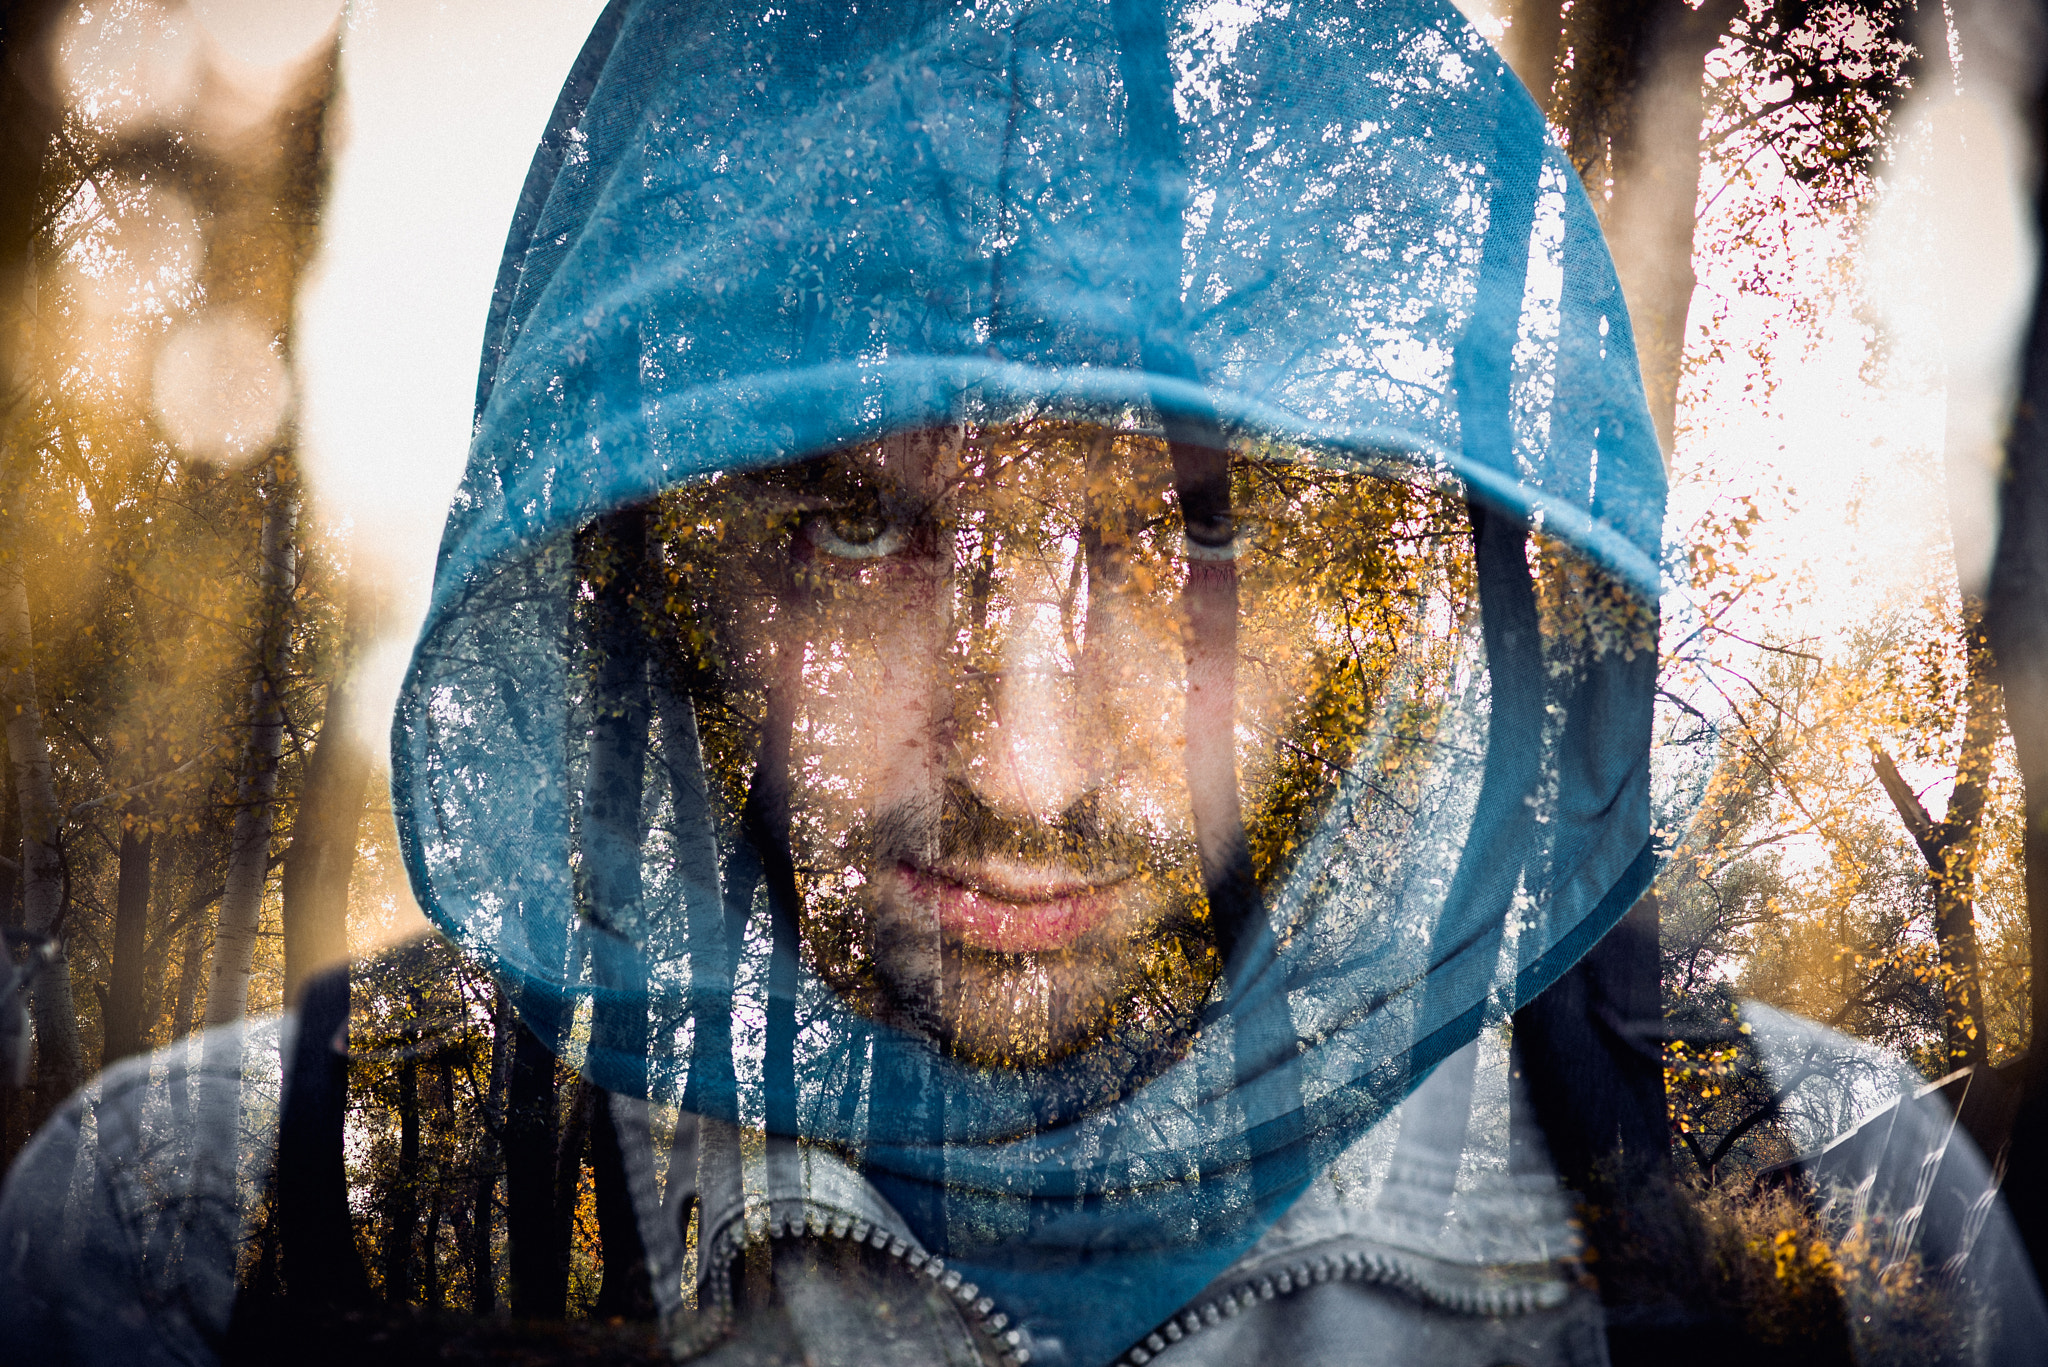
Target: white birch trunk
[{"x": 241, "y": 903}]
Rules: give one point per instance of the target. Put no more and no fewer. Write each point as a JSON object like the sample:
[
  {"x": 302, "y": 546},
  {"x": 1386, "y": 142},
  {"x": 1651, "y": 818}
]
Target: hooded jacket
[{"x": 751, "y": 236}]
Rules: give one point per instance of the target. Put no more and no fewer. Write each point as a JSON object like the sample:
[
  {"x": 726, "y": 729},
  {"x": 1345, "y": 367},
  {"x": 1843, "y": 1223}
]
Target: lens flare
[
  {"x": 220, "y": 389},
  {"x": 266, "y": 33},
  {"x": 128, "y": 65}
]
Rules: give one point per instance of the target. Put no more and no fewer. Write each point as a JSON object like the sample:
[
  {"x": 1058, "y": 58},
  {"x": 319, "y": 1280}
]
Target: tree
[
  {"x": 1950, "y": 848},
  {"x": 1622, "y": 84},
  {"x": 534, "y": 1142},
  {"x": 234, "y": 940},
  {"x": 26, "y": 122},
  {"x": 2016, "y": 626},
  {"x": 60, "y": 1054},
  {"x": 326, "y": 827},
  {"x": 1794, "y": 881},
  {"x": 1629, "y": 104}
]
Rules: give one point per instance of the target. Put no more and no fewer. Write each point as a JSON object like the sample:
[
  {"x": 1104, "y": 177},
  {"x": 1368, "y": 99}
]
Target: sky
[{"x": 443, "y": 103}]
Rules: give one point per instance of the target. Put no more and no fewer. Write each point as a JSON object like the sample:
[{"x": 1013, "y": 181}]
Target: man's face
[{"x": 981, "y": 645}]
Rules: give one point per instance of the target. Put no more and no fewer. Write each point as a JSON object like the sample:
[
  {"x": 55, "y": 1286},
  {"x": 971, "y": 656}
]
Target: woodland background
[{"x": 1823, "y": 215}]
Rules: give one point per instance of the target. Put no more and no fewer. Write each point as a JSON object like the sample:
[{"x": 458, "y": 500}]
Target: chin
[
  {"x": 1026, "y": 1010},
  {"x": 1108, "y": 1019}
]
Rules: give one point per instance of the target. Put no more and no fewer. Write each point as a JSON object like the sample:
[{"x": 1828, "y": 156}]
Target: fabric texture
[
  {"x": 123, "y": 1222},
  {"x": 1389, "y": 1248},
  {"x": 1333, "y": 231},
  {"x": 121, "y": 1232}
]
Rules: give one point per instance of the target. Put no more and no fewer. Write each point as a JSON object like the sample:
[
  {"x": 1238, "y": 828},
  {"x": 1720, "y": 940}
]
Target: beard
[{"x": 1132, "y": 982}]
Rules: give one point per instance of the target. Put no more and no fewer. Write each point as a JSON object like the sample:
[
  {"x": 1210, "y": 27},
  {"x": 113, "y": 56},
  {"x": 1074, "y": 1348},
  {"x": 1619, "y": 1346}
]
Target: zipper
[
  {"x": 1005, "y": 1341},
  {"x": 1372, "y": 1266}
]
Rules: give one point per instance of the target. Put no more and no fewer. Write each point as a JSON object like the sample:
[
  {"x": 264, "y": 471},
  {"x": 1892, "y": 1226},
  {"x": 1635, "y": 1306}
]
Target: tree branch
[
  {"x": 165, "y": 777},
  {"x": 1759, "y": 1115},
  {"x": 1919, "y": 824}
]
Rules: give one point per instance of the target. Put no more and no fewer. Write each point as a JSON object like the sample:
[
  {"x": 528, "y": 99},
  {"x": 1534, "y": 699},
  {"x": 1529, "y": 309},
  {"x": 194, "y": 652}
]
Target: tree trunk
[
  {"x": 183, "y": 1011},
  {"x": 158, "y": 985},
  {"x": 461, "y": 1224},
  {"x": 185, "y": 1008},
  {"x": 539, "y": 1276},
  {"x": 1591, "y": 1050},
  {"x": 483, "y": 1273},
  {"x": 314, "y": 891},
  {"x": 60, "y": 1053},
  {"x": 625, "y": 1292},
  {"x": 11, "y": 1137},
  {"x": 1656, "y": 197},
  {"x": 27, "y": 120},
  {"x": 1535, "y": 30},
  {"x": 614, "y": 556},
  {"x": 710, "y": 1093},
  {"x": 217, "y": 1088},
  {"x": 1955, "y": 934},
  {"x": 1629, "y": 105},
  {"x": 127, "y": 988},
  {"x": 10, "y": 846},
  {"x": 316, "y": 1231},
  {"x": 1631, "y": 108},
  {"x": 402, "y": 1211},
  {"x": 448, "y": 1196},
  {"x": 710, "y": 1088},
  {"x": 2016, "y": 625},
  {"x": 323, "y": 850},
  {"x": 241, "y": 906},
  {"x": 1950, "y": 849},
  {"x": 430, "y": 1262},
  {"x": 2016, "y": 619}
]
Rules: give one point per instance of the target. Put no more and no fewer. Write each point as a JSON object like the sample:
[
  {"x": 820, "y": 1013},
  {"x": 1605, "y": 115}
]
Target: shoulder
[{"x": 122, "y": 1221}]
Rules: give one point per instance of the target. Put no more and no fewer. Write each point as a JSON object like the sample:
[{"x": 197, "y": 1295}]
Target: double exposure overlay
[{"x": 1055, "y": 720}]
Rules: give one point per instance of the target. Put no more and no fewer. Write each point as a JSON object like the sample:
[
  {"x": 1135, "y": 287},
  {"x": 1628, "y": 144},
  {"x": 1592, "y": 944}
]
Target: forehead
[{"x": 1049, "y": 463}]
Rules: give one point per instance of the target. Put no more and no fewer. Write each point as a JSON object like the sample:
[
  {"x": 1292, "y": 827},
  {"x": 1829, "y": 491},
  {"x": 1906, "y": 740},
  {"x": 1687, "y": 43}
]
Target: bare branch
[
  {"x": 1919, "y": 824},
  {"x": 165, "y": 777},
  {"x": 1759, "y": 1115}
]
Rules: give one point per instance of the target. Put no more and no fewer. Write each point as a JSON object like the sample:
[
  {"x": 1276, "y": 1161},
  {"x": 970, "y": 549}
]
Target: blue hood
[{"x": 755, "y": 235}]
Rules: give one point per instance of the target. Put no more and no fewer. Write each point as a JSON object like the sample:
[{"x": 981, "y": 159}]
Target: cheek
[
  {"x": 1133, "y": 710},
  {"x": 1273, "y": 691},
  {"x": 871, "y": 672}
]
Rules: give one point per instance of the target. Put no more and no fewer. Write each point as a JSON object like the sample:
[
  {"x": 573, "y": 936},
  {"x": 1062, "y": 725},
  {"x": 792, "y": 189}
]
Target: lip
[{"x": 1014, "y": 908}]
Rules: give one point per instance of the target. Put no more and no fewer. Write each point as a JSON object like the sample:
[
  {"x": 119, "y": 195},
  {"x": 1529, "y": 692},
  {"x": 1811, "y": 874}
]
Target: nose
[{"x": 1029, "y": 755}]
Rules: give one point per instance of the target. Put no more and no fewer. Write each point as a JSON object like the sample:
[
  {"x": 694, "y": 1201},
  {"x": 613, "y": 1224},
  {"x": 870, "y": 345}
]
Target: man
[
  {"x": 1052, "y": 608},
  {"x": 993, "y": 805},
  {"x": 992, "y": 633},
  {"x": 1051, "y": 621},
  {"x": 961, "y": 669}
]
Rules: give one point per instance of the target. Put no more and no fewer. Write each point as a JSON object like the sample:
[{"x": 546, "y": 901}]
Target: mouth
[{"x": 1008, "y": 907}]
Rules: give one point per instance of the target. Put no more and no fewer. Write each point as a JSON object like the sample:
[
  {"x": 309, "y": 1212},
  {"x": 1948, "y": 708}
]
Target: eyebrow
[{"x": 805, "y": 484}]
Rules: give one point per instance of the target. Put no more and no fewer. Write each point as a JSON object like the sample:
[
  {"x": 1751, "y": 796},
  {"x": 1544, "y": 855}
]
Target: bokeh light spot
[
  {"x": 266, "y": 33},
  {"x": 128, "y": 64},
  {"x": 220, "y": 389}
]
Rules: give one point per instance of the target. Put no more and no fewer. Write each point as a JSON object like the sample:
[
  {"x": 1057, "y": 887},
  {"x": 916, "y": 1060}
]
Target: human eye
[{"x": 860, "y": 531}]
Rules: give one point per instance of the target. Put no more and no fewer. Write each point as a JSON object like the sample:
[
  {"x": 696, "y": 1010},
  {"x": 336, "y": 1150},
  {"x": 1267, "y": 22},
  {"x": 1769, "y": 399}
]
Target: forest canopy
[{"x": 198, "y": 611}]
